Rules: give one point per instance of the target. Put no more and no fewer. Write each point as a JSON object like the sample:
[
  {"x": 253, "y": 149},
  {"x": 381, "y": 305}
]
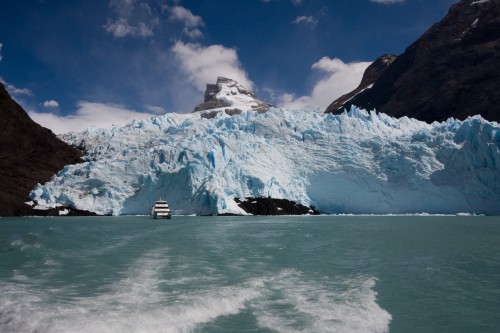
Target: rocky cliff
[
  {"x": 29, "y": 154},
  {"x": 452, "y": 70}
]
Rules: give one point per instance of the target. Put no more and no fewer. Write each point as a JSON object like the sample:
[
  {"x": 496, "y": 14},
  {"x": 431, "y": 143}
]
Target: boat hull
[{"x": 162, "y": 216}]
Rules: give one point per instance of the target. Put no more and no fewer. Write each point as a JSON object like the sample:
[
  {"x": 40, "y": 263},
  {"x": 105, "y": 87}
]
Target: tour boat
[{"x": 161, "y": 210}]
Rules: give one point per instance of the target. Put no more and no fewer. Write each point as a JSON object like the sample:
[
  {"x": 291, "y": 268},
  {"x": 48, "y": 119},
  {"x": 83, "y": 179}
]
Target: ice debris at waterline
[{"x": 356, "y": 162}]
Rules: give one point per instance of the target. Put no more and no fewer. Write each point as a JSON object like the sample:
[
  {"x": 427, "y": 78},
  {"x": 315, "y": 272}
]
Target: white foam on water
[
  {"x": 35, "y": 258},
  {"x": 23, "y": 246},
  {"x": 135, "y": 303},
  {"x": 297, "y": 304},
  {"x": 122, "y": 241},
  {"x": 151, "y": 297}
]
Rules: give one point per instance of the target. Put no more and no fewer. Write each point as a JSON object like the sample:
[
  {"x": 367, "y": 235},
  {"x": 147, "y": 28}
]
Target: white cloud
[
  {"x": 178, "y": 13},
  {"x": 88, "y": 114},
  {"x": 190, "y": 21},
  {"x": 192, "y": 33},
  {"x": 308, "y": 20},
  {"x": 120, "y": 28},
  {"x": 13, "y": 91},
  {"x": 132, "y": 20},
  {"x": 155, "y": 109},
  {"x": 51, "y": 104},
  {"x": 387, "y": 2},
  {"x": 143, "y": 30},
  {"x": 204, "y": 64},
  {"x": 338, "y": 79},
  {"x": 1, "y": 45}
]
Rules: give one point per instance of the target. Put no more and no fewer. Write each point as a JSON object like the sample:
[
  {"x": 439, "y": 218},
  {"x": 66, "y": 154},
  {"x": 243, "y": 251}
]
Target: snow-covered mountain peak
[{"x": 230, "y": 96}]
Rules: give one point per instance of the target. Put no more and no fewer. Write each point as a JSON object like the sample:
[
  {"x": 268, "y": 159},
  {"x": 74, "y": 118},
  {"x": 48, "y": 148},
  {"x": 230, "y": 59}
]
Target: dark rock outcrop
[
  {"x": 60, "y": 211},
  {"x": 452, "y": 70},
  {"x": 29, "y": 154},
  {"x": 272, "y": 206},
  {"x": 210, "y": 114},
  {"x": 228, "y": 94}
]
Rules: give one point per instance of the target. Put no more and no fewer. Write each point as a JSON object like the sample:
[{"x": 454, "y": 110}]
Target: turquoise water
[{"x": 250, "y": 274}]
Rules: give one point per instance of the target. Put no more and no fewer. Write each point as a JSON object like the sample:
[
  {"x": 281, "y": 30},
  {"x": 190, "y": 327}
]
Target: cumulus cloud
[
  {"x": 88, "y": 114},
  {"x": 204, "y": 64},
  {"x": 338, "y": 78},
  {"x": 308, "y": 20},
  {"x": 178, "y": 13},
  {"x": 387, "y": 2},
  {"x": 14, "y": 91},
  {"x": 190, "y": 21},
  {"x": 192, "y": 33},
  {"x": 51, "y": 104}
]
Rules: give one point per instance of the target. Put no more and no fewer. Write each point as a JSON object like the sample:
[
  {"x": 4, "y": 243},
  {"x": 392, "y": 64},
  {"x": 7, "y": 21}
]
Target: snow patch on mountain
[
  {"x": 230, "y": 96},
  {"x": 478, "y": 2},
  {"x": 356, "y": 162}
]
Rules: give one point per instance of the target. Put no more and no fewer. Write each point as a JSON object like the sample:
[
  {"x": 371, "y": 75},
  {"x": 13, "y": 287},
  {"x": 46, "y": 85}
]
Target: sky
[{"x": 80, "y": 63}]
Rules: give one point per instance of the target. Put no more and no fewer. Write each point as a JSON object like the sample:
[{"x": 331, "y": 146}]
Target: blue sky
[{"x": 72, "y": 64}]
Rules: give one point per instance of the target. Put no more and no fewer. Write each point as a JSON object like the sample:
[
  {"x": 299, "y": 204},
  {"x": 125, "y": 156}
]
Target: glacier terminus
[{"x": 357, "y": 162}]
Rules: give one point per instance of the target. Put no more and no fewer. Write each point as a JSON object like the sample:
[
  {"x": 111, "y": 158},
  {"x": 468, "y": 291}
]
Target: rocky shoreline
[{"x": 273, "y": 206}]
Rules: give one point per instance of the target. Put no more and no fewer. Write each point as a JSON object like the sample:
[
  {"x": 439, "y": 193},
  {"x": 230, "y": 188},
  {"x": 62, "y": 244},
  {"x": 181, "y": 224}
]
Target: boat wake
[{"x": 149, "y": 298}]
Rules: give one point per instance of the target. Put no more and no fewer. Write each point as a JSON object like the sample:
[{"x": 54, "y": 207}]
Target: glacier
[{"x": 357, "y": 162}]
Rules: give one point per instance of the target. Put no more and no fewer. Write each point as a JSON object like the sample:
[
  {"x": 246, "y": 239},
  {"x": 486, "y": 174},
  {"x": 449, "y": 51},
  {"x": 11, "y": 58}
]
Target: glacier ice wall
[{"x": 356, "y": 162}]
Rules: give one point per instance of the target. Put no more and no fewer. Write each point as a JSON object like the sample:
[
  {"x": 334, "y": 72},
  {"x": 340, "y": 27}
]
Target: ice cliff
[{"x": 354, "y": 162}]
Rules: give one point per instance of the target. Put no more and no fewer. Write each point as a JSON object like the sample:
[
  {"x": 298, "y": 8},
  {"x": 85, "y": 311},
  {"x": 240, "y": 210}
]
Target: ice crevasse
[{"x": 357, "y": 162}]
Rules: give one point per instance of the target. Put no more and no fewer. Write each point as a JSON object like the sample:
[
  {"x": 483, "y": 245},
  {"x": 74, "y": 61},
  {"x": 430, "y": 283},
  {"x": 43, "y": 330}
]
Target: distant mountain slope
[
  {"x": 371, "y": 74},
  {"x": 453, "y": 70},
  {"x": 29, "y": 154}
]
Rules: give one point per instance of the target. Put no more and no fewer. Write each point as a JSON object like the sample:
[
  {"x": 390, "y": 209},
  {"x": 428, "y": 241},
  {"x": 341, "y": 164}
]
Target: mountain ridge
[
  {"x": 452, "y": 70},
  {"x": 371, "y": 74}
]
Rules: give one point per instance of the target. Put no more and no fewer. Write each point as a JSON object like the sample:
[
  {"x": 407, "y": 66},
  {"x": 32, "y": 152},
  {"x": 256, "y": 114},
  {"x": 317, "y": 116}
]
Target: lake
[{"x": 250, "y": 274}]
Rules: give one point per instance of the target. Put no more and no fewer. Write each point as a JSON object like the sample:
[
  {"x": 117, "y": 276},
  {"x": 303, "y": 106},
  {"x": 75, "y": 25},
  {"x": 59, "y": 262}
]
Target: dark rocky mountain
[
  {"x": 230, "y": 96},
  {"x": 452, "y": 70},
  {"x": 371, "y": 74},
  {"x": 29, "y": 154}
]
